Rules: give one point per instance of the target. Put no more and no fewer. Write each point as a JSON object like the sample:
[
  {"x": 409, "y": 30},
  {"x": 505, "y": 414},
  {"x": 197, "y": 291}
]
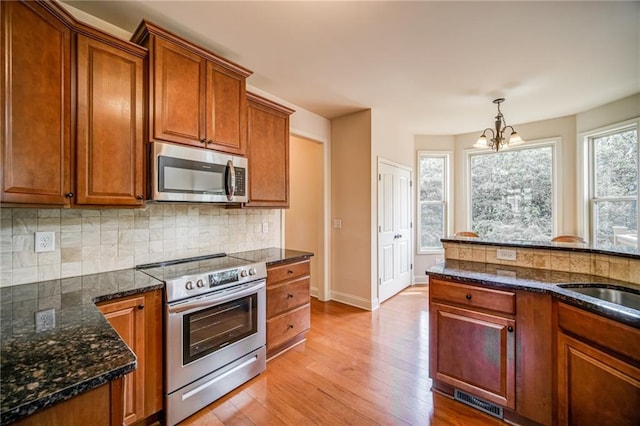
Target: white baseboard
[
  {"x": 420, "y": 279},
  {"x": 358, "y": 302}
]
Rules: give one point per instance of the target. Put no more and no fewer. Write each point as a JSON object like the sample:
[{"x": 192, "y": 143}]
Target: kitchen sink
[{"x": 618, "y": 296}]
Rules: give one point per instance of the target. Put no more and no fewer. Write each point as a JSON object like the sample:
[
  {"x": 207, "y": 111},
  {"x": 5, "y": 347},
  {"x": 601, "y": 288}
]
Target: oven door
[{"x": 208, "y": 332}]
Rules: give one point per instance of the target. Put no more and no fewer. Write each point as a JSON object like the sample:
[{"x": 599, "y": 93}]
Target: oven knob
[
  {"x": 243, "y": 273},
  {"x": 200, "y": 284},
  {"x": 252, "y": 271},
  {"x": 189, "y": 285}
]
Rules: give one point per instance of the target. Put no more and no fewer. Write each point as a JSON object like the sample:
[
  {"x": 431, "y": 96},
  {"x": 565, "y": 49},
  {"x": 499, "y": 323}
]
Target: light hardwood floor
[{"x": 356, "y": 367}]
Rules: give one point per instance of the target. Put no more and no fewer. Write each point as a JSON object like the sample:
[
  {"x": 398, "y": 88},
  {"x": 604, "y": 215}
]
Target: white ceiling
[{"x": 432, "y": 67}]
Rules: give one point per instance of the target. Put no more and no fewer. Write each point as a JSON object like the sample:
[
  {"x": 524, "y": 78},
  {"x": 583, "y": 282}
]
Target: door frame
[{"x": 382, "y": 160}]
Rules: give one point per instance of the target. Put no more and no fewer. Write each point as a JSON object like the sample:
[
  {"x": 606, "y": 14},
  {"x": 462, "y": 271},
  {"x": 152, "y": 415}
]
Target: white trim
[
  {"x": 556, "y": 178},
  {"x": 448, "y": 198},
  {"x": 584, "y": 178},
  {"x": 358, "y": 302}
]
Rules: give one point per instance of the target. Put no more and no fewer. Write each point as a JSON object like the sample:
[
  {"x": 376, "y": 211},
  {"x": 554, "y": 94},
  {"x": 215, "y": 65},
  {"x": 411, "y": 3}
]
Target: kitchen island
[{"x": 511, "y": 332}]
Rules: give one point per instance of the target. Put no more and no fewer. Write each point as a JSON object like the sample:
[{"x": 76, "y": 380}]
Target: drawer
[
  {"x": 472, "y": 296},
  {"x": 287, "y": 326},
  {"x": 288, "y": 271},
  {"x": 604, "y": 332},
  {"x": 286, "y": 296}
]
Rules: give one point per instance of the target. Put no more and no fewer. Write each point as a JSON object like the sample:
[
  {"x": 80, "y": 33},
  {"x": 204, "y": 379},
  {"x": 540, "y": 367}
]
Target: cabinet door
[
  {"x": 474, "y": 352},
  {"x": 226, "y": 110},
  {"x": 178, "y": 94},
  {"x": 595, "y": 388},
  {"x": 109, "y": 157},
  {"x": 36, "y": 105},
  {"x": 127, "y": 318},
  {"x": 268, "y": 155}
]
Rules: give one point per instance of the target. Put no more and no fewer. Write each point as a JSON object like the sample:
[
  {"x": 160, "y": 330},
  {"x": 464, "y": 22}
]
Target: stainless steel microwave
[{"x": 184, "y": 173}]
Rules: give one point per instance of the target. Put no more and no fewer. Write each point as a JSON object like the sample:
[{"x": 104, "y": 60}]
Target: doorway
[
  {"x": 394, "y": 229},
  {"x": 304, "y": 220}
]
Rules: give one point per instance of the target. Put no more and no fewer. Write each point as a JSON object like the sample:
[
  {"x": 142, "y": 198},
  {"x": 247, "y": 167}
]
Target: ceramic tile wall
[
  {"x": 92, "y": 241},
  {"x": 618, "y": 268}
]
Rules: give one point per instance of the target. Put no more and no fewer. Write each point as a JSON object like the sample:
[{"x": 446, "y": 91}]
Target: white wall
[{"x": 351, "y": 259}]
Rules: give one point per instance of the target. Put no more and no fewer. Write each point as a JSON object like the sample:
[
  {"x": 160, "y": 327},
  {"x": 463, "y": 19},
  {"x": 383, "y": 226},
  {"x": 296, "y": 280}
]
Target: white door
[{"x": 394, "y": 229}]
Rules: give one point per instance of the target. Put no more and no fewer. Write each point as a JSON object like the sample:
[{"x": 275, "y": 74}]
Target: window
[
  {"x": 433, "y": 199},
  {"x": 613, "y": 186},
  {"x": 512, "y": 192}
]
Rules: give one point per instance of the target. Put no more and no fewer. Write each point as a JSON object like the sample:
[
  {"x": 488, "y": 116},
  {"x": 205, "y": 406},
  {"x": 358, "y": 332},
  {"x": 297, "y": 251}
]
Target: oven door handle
[{"x": 213, "y": 300}]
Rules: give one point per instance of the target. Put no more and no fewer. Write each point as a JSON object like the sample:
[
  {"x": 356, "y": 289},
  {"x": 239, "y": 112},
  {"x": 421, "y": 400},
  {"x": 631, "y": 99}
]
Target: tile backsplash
[
  {"x": 611, "y": 266},
  {"x": 92, "y": 241}
]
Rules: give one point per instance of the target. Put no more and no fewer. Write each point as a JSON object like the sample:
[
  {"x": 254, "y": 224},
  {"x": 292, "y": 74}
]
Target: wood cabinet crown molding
[
  {"x": 147, "y": 28},
  {"x": 252, "y": 97}
]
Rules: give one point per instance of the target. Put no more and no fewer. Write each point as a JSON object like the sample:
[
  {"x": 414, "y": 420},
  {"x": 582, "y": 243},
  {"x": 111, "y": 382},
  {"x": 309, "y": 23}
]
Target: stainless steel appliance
[
  {"x": 184, "y": 173},
  {"x": 215, "y": 329}
]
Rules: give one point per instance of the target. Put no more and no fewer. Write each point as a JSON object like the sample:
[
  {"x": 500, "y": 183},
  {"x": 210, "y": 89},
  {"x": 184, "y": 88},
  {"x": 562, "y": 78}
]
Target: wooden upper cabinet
[
  {"x": 110, "y": 117},
  {"x": 177, "y": 85},
  {"x": 226, "y": 110},
  {"x": 196, "y": 97},
  {"x": 36, "y": 71},
  {"x": 268, "y": 152}
]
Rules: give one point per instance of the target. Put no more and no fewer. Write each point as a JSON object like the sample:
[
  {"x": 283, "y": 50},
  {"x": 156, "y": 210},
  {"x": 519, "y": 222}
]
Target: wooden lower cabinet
[
  {"x": 474, "y": 352},
  {"x": 101, "y": 406},
  {"x": 288, "y": 307},
  {"x": 494, "y": 345},
  {"x": 598, "y": 370},
  {"x": 138, "y": 321}
]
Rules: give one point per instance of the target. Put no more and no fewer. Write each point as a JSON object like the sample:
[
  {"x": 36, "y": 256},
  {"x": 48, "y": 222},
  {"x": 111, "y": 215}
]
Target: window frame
[
  {"x": 586, "y": 176},
  {"x": 556, "y": 178},
  {"x": 447, "y": 199}
]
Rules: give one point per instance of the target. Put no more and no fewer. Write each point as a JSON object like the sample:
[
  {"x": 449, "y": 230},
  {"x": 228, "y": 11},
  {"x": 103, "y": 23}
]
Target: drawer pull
[
  {"x": 289, "y": 296},
  {"x": 140, "y": 306},
  {"x": 290, "y": 327},
  {"x": 468, "y": 296},
  {"x": 510, "y": 329},
  {"x": 289, "y": 271}
]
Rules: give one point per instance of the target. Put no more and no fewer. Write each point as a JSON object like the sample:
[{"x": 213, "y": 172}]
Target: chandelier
[{"x": 498, "y": 140}]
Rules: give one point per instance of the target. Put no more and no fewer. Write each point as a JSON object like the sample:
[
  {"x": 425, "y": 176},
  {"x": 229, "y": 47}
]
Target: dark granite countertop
[
  {"x": 541, "y": 281},
  {"x": 273, "y": 255},
  {"x": 628, "y": 252},
  {"x": 81, "y": 352}
]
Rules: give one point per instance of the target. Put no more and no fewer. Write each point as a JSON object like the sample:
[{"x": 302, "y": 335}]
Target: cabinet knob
[
  {"x": 139, "y": 197},
  {"x": 289, "y": 296},
  {"x": 510, "y": 329},
  {"x": 468, "y": 296},
  {"x": 210, "y": 141},
  {"x": 69, "y": 195},
  {"x": 290, "y": 327},
  {"x": 289, "y": 271},
  {"x": 140, "y": 306},
  {"x": 203, "y": 141}
]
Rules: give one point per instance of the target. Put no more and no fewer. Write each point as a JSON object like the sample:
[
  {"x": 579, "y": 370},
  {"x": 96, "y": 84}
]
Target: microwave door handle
[{"x": 230, "y": 180}]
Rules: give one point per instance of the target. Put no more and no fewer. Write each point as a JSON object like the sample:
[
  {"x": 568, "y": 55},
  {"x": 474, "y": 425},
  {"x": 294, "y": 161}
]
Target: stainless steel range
[{"x": 215, "y": 328}]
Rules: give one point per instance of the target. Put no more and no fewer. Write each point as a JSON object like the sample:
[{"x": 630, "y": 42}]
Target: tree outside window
[
  {"x": 614, "y": 188},
  {"x": 512, "y": 193},
  {"x": 433, "y": 200}
]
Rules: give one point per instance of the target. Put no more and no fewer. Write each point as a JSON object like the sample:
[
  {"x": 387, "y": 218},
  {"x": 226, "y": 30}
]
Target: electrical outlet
[
  {"x": 45, "y": 320},
  {"x": 337, "y": 223},
  {"x": 265, "y": 227},
  {"x": 45, "y": 241},
  {"x": 503, "y": 254}
]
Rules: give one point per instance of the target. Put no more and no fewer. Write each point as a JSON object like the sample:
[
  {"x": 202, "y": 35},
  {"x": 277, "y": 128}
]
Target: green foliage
[{"x": 511, "y": 194}]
